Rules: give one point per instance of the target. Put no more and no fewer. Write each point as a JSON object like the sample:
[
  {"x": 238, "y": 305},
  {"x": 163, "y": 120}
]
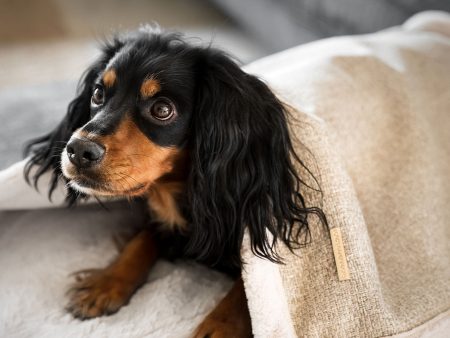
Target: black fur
[
  {"x": 45, "y": 151},
  {"x": 242, "y": 160}
]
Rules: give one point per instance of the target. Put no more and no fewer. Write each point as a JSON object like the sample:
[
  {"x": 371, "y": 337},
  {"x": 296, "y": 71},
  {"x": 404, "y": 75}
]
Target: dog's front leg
[
  {"x": 230, "y": 318},
  {"x": 103, "y": 291}
]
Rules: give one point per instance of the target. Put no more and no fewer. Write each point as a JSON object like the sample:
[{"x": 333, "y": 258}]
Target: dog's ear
[
  {"x": 242, "y": 170},
  {"x": 45, "y": 151}
]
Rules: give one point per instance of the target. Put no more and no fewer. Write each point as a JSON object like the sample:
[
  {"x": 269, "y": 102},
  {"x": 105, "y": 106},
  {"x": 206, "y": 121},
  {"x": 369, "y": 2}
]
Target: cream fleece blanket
[{"x": 374, "y": 113}]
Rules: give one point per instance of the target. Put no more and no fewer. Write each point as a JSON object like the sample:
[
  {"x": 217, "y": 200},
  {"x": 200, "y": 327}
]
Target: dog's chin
[
  {"x": 80, "y": 188},
  {"x": 96, "y": 189}
]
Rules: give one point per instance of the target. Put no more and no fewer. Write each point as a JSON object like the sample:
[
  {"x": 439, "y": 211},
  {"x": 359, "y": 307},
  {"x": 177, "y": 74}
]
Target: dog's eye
[
  {"x": 98, "y": 96},
  {"x": 162, "y": 110}
]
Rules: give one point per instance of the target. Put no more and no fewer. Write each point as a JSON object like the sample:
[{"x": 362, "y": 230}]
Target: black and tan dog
[{"x": 205, "y": 143}]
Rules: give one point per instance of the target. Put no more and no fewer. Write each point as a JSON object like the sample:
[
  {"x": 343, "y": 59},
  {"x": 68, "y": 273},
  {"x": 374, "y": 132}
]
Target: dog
[{"x": 205, "y": 144}]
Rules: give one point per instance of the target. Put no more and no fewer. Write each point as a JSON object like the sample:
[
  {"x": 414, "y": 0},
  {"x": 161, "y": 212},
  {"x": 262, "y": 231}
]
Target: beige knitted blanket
[{"x": 374, "y": 111}]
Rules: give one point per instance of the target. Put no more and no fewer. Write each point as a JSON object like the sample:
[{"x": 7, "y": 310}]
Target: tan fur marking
[
  {"x": 99, "y": 292},
  {"x": 161, "y": 200},
  {"x": 109, "y": 78},
  {"x": 230, "y": 318},
  {"x": 132, "y": 162},
  {"x": 150, "y": 87},
  {"x": 80, "y": 133}
]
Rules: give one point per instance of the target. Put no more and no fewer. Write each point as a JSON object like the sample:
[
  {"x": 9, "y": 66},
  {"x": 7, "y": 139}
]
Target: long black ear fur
[
  {"x": 242, "y": 171},
  {"x": 45, "y": 152}
]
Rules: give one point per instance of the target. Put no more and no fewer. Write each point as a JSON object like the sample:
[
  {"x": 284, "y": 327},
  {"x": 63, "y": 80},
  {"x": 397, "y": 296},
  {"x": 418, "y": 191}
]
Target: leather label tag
[{"x": 339, "y": 254}]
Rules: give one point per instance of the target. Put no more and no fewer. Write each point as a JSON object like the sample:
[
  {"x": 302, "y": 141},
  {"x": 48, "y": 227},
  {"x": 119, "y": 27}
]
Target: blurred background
[{"x": 46, "y": 44}]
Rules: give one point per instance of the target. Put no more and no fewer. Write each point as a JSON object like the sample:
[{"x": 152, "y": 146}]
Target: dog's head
[
  {"x": 154, "y": 107},
  {"x": 137, "y": 107}
]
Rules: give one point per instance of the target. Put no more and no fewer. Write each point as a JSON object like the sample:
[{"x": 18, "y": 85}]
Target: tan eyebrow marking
[
  {"x": 109, "y": 78},
  {"x": 150, "y": 87}
]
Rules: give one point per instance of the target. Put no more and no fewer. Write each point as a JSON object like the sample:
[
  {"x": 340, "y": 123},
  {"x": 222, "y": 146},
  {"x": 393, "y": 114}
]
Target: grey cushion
[{"x": 28, "y": 112}]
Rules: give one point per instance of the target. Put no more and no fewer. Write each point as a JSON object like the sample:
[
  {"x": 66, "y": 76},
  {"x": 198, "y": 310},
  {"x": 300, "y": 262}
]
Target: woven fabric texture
[{"x": 373, "y": 124}]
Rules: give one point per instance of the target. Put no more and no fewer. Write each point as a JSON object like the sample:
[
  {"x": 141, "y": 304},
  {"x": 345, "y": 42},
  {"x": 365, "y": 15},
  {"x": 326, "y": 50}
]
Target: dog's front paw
[
  {"x": 98, "y": 292},
  {"x": 219, "y": 328}
]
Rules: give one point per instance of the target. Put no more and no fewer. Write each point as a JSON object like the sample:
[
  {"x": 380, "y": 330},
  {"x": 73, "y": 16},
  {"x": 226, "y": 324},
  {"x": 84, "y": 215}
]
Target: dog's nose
[{"x": 84, "y": 153}]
